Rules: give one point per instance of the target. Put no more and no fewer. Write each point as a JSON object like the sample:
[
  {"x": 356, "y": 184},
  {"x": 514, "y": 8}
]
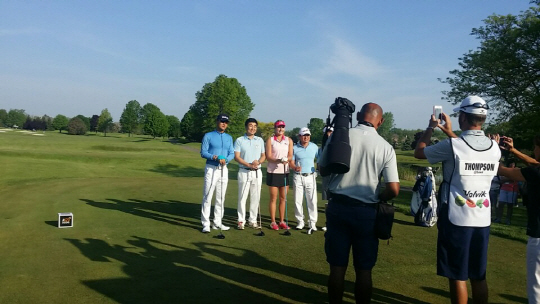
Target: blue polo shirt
[
  {"x": 216, "y": 143},
  {"x": 304, "y": 157},
  {"x": 250, "y": 148}
]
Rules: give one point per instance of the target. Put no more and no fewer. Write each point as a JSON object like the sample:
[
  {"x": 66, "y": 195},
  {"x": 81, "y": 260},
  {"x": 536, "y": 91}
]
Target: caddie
[
  {"x": 249, "y": 153},
  {"x": 469, "y": 163}
]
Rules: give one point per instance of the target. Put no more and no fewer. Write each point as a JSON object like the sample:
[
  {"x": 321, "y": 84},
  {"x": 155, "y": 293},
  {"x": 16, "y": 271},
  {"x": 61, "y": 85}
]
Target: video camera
[{"x": 338, "y": 149}]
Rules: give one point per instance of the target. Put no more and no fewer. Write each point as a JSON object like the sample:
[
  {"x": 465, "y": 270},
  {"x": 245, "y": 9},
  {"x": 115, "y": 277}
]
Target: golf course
[{"x": 136, "y": 235}]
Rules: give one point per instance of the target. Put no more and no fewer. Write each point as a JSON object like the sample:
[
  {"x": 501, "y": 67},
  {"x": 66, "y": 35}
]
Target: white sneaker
[
  {"x": 240, "y": 226},
  {"x": 300, "y": 226},
  {"x": 223, "y": 227},
  {"x": 253, "y": 225},
  {"x": 206, "y": 229}
]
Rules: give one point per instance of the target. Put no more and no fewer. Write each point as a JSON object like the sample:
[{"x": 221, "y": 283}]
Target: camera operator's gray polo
[{"x": 372, "y": 157}]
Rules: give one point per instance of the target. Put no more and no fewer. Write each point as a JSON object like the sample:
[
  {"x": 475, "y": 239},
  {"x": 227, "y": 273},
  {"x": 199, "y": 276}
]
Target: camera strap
[{"x": 365, "y": 123}]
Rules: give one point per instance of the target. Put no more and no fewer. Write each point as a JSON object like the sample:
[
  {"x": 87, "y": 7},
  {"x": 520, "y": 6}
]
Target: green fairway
[{"x": 136, "y": 235}]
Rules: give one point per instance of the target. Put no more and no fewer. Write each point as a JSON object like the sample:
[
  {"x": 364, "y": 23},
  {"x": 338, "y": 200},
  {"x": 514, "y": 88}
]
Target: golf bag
[{"x": 424, "y": 199}]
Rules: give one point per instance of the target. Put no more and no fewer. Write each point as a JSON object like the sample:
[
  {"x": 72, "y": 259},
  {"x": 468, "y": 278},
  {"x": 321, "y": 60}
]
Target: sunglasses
[
  {"x": 306, "y": 135},
  {"x": 478, "y": 105}
]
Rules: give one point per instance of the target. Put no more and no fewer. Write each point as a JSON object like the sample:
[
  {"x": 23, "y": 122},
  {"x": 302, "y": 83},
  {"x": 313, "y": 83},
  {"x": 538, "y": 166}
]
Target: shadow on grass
[
  {"x": 172, "y": 212},
  {"x": 513, "y": 299},
  {"x": 52, "y": 223},
  {"x": 204, "y": 272},
  {"x": 201, "y": 273}
]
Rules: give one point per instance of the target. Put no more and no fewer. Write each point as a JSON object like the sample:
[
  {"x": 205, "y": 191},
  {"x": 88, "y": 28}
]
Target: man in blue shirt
[
  {"x": 217, "y": 149},
  {"x": 249, "y": 153},
  {"x": 303, "y": 165}
]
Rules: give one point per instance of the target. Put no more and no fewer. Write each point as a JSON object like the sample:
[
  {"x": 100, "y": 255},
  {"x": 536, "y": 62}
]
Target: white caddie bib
[{"x": 469, "y": 204}]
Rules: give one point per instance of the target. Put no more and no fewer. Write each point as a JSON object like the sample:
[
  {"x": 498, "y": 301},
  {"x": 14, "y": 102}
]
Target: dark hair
[
  {"x": 475, "y": 119},
  {"x": 250, "y": 120}
]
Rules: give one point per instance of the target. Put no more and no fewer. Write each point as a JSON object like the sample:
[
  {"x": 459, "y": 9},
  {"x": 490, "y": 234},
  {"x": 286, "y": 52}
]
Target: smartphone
[{"x": 437, "y": 112}]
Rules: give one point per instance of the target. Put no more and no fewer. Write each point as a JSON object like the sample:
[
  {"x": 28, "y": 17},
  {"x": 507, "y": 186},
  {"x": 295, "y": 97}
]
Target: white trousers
[
  {"x": 533, "y": 270},
  {"x": 305, "y": 185},
  {"x": 249, "y": 183},
  {"x": 215, "y": 178}
]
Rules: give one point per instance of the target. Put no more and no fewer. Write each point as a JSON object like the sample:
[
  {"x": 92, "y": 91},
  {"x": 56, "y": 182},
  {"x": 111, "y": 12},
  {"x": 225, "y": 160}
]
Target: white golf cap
[
  {"x": 304, "y": 131},
  {"x": 474, "y": 105}
]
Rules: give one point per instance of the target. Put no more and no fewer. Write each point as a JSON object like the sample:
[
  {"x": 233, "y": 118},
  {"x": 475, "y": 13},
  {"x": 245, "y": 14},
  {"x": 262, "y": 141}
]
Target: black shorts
[
  {"x": 277, "y": 179},
  {"x": 461, "y": 251}
]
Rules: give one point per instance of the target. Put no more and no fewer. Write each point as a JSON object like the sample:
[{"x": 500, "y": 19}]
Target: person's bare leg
[
  {"x": 363, "y": 288},
  {"x": 479, "y": 291},
  {"x": 336, "y": 284},
  {"x": 458, "y": 292},
  {"x": 282, "y": 197},
  {"x": 273, "y": 191}
]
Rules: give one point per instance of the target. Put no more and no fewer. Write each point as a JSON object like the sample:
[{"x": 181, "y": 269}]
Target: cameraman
[
  {"x": 530, "y": 174},
  {"x": 350, "y": 216}
]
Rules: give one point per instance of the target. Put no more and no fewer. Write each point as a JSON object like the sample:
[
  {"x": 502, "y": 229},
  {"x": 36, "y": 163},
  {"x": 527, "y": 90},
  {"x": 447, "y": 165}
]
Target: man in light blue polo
[
  {"x": 217, "y": 149},
  {"x": 303, "y": 164},
  {"x": 249, "y": 153}
]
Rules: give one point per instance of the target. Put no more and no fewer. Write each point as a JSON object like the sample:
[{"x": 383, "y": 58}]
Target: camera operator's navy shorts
[
  {"x": 461, "y": 251},
  {"x": 351, "y": 225}
]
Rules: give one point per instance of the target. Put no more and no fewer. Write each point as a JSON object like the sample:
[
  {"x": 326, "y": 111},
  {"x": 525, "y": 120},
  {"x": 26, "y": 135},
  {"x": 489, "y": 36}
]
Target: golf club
[
  {"x": 287, "y": 232},
  {"x": 221, "y": 236},
  {"x": 261, "y": 233}
]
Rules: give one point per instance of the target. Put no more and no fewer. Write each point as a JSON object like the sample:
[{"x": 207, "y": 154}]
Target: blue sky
[{"x": 294, "y": 57}]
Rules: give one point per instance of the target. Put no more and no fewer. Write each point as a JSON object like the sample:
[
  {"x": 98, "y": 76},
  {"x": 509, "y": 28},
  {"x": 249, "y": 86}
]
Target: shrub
[{"x": 76, "y": 126}]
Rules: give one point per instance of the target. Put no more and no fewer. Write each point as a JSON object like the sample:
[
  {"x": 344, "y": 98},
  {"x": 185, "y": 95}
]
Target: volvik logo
[{"x": 470, "y": 193}]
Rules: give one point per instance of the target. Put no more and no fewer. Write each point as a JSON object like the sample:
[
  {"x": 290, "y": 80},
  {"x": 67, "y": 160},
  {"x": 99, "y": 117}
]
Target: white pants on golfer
[
  {"x": 533, "y": 270},
  {"x": 249, "y": 183},
  {"x": 215, "y": 178},
  {"x": 305, "y": 185}
]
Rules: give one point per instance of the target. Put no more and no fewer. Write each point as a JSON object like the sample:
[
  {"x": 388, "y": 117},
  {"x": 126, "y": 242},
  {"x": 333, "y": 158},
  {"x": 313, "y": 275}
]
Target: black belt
[
  {"x": 305, "y": 174},
  {"x": 247, "y": 169},
  {"x": 348, "y": 201}
]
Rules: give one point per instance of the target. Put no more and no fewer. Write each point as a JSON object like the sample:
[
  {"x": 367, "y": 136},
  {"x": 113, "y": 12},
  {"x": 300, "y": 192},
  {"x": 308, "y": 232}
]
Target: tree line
[{"x": 504, "y": 70}]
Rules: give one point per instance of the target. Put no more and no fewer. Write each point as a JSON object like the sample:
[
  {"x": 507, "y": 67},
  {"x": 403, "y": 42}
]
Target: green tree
[
  {"x": 60, "y": 122},
  {"x": 174, "y": 126},
  {"x": 94, "y": 123},
  {"x": 155, "y": 122},
  {"x": 76, "y": 126},
  {"x": 85, "y": 120},
  {"x": 293, "y": 133},
  {"x": 131, "y": 117},
  {"x": 16, "y": 117},
  {"x": 105, "y": 122},
  {"x": 224, "y": 95},
  {"x": 265, "y": 130},
  {"x": 504, "y": 71},
  {"x": 385, "y": 130},
  {"x": 316, "y": 126},
  {"x": 3, "y": 118}
]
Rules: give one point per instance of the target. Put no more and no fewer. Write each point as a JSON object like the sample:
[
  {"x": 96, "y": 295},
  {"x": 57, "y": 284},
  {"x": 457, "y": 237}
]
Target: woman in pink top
[
  {"x": 507, "y": 196},
  {"x": 279, "y": 150}
]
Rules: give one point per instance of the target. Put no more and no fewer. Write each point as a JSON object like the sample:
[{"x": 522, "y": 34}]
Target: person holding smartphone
[
  {"x": 470, "y": 162},
  {"x": 530, "y": 174}
]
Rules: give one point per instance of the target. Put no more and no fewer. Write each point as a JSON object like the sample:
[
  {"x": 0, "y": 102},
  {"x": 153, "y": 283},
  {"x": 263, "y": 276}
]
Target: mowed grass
[{"x": 136, "y": 235}]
